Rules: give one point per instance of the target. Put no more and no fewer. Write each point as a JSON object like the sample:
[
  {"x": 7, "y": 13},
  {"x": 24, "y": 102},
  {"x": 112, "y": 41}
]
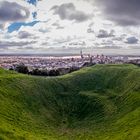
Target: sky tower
[{"x": 81, "y": 54}]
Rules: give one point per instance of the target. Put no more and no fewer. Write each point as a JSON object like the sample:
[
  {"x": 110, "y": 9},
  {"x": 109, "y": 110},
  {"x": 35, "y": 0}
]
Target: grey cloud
[
  {"x": 61, "y": 40},
  {"x": 132, "y": 40},
  {"x": 25, "y": 48},
  {"x": 55, "y": 42},
  {"x": 24, "y": 35},
  {"x": 2, "y": 26},
  {"x": 91, "y": 24},
  {"x": 90, "y": 30},
  {"x": 104, "y": 34},
  {"x": 45, "y": 44},
  {"x": 45, "y": 30},
  {"x": 134, "y": 47},
  {"x": 123, "y": 12},
  {"x": 60, "y": 27},
  {"x": 11, "y": 11},
  {"x": 7, "y": 44},
  {"x": 57, "y": 25},
  {"x": 120, "y": 38},
  {"x": 68, "y": 11},
  {"x": 117, "y": 38},
  {"x": 80, "y": 43},
  {"x": 110, "y": 47}
]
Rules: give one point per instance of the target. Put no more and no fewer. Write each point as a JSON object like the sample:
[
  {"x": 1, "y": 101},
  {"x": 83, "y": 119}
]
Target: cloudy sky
[{"x": 67, "y": 26}]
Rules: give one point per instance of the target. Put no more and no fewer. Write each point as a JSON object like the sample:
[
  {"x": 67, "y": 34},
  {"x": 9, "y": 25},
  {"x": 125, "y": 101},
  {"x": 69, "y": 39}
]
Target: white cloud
[{"x": 54, "y": 32}]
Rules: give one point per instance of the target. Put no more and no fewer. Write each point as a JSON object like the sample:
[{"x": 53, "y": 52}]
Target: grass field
[{"x": 96, "y": 103}]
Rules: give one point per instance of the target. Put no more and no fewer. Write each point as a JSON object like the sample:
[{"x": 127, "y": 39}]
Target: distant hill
[{"x": 96, "y": 103}]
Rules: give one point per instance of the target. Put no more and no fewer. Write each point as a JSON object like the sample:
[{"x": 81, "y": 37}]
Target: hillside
[{"x": 96, "y": 103}]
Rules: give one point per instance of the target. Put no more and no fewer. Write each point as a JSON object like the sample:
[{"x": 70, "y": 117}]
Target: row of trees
[{"x": 21, "y": 68}]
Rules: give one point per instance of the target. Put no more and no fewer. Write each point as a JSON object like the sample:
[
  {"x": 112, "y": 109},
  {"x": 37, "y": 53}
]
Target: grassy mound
[{"x": 96, "y": 103}]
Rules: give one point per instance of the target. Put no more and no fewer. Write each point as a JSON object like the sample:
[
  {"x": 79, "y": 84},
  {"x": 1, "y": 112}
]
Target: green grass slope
[{"x": 96, "y": 103}]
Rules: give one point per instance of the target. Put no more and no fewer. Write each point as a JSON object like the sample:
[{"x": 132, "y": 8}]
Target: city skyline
[{"x": 67, "y": 26}]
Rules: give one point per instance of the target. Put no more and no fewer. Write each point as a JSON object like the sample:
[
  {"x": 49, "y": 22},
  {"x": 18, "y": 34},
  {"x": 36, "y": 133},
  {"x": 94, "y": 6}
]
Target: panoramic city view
[{"x": 69, "y": 70}]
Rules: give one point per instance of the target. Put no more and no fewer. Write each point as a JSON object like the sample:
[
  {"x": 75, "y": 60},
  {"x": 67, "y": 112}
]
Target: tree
[
  {"x": 21, "y": 68},
  {"x": 54, "y": 73}
]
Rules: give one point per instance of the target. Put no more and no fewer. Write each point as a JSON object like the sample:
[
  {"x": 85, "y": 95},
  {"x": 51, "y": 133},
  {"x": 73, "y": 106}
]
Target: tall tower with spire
[{"x": 81, "y": 54}]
